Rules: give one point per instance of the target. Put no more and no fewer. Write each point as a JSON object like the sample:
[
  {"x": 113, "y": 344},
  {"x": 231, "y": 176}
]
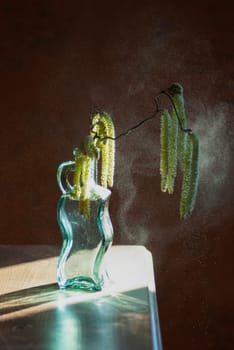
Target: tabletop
[{"x": 36, "y": 314}]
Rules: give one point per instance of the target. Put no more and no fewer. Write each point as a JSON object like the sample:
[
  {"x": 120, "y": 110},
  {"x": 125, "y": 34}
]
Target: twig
[{"x": 156, "y": 111}]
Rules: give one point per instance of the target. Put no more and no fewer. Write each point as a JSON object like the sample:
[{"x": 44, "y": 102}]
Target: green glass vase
[{"x": 86, "y": 240}]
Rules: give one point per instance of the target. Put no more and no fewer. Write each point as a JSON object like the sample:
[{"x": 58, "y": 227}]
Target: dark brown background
[{"x": 60, "y": 60}]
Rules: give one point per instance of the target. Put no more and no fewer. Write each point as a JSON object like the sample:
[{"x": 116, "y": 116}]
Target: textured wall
[{"x": 60, "y": 60}]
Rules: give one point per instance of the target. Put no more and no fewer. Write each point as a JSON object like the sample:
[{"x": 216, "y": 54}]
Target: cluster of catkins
[
  {"x": 179, "y": 144},
  {"x": 100, "y": 144}
]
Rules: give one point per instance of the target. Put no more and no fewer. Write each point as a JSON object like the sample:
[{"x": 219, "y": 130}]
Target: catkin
[
  {"x": 110, "y": 149},
  {"x": 186, "y": 188},
  {"x": 103, "y": 130},
  {"x": 176, "y": 93},
  {"x": 81, "y": 182},
  {"x": 172, "y": 153},
  {"x": 174, "y": 138},
  {"x": 164, "y": 133},
  {"x": 104, "y": 167},
  {"x": 99, "y": 141},
  {"x": 85, "y": 176},
  {"x": 194, "y": 174},
  {"x": 77, "y": 174}
]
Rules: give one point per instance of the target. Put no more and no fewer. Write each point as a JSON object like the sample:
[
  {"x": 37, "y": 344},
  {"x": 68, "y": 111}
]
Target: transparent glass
[{"x": 85, "y": 240}]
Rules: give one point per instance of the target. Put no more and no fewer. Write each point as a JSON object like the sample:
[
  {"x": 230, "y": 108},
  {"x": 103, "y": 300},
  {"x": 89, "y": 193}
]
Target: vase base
[{"x": 82, "y": 283}]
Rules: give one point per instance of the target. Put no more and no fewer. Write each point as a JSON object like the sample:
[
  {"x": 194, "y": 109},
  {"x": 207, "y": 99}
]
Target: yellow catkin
[
  {"x": 81, "y": 181},
  {"x": 77, "y": 174},
  {"x": 85, "y": 176},
  {"x": 194, "y": 173},
  {"x": 185, "y": 192},
  {"x": 172, "y": 153},
  {"x": 104, "y": 166},
  {"x": 98, "y": 129},
  {"x": 99, "y": 141},
  {"x": 164, "y": 128},
  {"x": 110, "y": 149},
  {"x": 176, "y": 93},
  {"x": 103, "y": 129}
]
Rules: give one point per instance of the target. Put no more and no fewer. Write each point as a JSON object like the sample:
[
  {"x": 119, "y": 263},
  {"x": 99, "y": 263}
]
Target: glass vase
[{"x": 86, "y": 239}]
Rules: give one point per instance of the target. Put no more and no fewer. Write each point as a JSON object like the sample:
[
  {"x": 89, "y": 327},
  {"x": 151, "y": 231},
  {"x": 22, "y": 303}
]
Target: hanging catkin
[
  {"x": 194, "y": 174},
  {"x": 164, "y": 134},
  {"x": 176, "y": 93},
  {"x": 185, "y": 192},
  {"x": 103, "y": 132},
  {"x": 172, "y": 153}
]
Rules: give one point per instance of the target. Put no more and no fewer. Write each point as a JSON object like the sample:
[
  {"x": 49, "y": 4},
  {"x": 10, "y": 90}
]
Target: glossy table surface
[{"x": 35, "y": 314}]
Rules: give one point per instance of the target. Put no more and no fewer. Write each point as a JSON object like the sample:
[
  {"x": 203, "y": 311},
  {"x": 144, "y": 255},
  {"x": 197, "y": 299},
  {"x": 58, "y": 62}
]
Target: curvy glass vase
[{"x": 85, "y": 239}]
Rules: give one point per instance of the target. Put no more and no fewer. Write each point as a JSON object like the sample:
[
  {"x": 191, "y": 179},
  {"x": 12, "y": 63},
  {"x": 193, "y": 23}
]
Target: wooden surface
[{"x": 35, "y": 314}]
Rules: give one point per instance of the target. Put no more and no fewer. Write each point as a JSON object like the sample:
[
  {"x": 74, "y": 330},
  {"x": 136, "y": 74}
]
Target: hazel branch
[{"x": 136, "y": 126}]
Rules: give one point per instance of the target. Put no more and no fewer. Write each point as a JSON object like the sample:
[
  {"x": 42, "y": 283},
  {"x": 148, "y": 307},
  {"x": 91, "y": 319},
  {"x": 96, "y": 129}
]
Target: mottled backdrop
[{"x": 59, "y": 61}]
